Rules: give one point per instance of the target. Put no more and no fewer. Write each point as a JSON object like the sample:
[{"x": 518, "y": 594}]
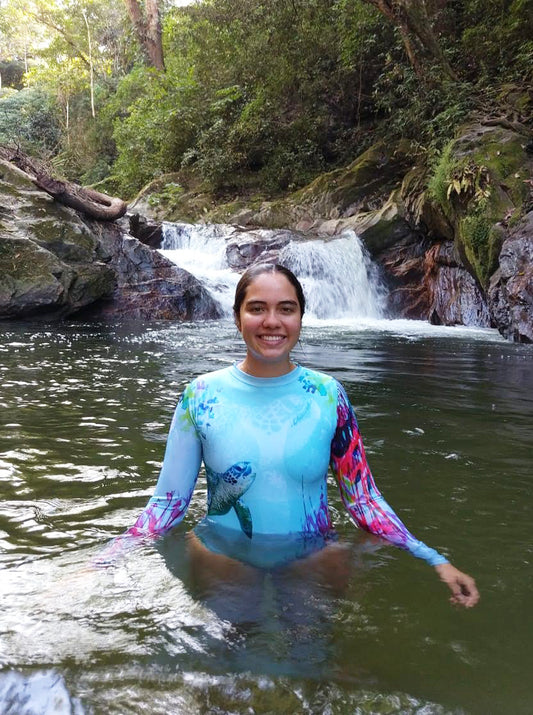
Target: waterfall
[
  {"x": 201, "y": 250},
  {"x": 339, "y": 279}
]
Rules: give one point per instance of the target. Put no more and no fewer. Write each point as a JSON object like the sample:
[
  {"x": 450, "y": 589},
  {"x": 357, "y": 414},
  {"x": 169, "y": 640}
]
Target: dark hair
[{"x": 258, "y": 269}]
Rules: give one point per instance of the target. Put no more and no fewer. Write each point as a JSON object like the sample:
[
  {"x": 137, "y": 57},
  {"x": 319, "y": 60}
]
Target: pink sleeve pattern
[
  {"x": 160, "y": 515},
  {"x": 359, "y": 493}
]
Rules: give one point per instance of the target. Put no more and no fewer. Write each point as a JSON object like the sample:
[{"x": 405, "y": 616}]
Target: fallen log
[{"x": 90, "y": 202}]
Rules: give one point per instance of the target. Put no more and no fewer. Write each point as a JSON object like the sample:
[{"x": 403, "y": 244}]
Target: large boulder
[
  {"x": 482, "y": 184},
  {"x": 511, "y": 288},
  {"x": 455, "y": 297},
  {"x": 55, "y": 264},
  {"x": 148, "y": 285},
  {"x": 49, "y": 262},
  {"x": 243, "y": 248}
]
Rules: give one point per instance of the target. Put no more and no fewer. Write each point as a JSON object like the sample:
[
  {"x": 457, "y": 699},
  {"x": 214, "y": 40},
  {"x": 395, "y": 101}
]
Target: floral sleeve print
[
  {"x": 175, "y": 486},
  {"x": 359, "y": 492},
  {"x": 160, "y": 515}
]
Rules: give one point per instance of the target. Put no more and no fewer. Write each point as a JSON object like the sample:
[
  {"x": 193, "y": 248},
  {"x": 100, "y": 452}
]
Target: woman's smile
[{"x": 270, "y": 321}]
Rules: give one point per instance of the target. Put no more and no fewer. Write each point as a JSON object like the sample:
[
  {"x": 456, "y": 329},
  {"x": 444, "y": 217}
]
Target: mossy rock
[
  {"x": 356, "y": 187},
  {"x": 34, "y": 281},
  {"x": 481, "y": 182},
  {"x": 382, "y": 228},
  {"x": 30, "y": 277},
  {"x": 91, "y": 283},
  {"x": 68, "y": 241}
]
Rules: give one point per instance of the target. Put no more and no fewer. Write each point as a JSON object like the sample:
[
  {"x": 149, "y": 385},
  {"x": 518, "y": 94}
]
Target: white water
[
  {"x": 338, "y": 277},
  {"x": 201, "y": 250},
  {"x": 340, "y": 282}
]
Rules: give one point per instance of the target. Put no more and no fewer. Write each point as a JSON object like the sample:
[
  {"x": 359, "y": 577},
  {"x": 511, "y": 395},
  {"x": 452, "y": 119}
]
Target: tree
[
  {"x": 414, "y": 21},
  {"x": 90, "y": 202},
  {"x": 148, "y": 28}
]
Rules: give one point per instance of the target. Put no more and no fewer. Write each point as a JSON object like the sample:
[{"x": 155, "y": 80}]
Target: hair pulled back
[{"x": 258, "y": 269}]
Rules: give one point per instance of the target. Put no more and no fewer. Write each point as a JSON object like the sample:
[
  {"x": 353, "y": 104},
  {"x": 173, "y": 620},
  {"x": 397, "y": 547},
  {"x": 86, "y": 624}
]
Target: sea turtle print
[{"x": 225, "y": 490}]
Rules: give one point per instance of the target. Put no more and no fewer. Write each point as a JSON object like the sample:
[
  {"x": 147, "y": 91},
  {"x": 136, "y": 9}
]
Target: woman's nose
[{"x": 271, "y": 318}]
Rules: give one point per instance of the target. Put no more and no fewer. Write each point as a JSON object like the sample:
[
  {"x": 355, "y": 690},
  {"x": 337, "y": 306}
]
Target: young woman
[{"x": 267, "y": 430}]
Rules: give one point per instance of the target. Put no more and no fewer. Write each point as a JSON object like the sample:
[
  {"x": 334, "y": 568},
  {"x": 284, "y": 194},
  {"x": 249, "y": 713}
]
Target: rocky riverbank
[
  {"x": 454, "y": 239},
  {"x": 55, "y": 264}
]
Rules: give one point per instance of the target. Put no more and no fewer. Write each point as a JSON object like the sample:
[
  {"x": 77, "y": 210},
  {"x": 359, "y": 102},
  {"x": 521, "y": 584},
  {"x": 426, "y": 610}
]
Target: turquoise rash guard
[{"x": 267, "y": 445}]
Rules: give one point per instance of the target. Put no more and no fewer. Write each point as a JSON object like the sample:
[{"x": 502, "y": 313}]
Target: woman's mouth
[{"x": 272, "y": 338}]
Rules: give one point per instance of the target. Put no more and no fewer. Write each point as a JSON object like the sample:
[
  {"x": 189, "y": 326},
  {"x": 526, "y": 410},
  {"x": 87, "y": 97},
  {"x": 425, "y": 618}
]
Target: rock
[
  {"x": 148, "y": 231},
  {"x": 245, "y": 248},
  {"x": 455, "y": 296},
  {"x": 383, "y": 227},
  {"x": 49, "y": 263},
  {"x": 148, "y": 285},
  {"x": 511, "y": 287},
  {"x": 362, "y": 186},
  {"x": 404, "y": 269},
  {"x": 428, "y": 282},
  {"x": 53, "y": 264},
  {"x": 482, "y": 181}
]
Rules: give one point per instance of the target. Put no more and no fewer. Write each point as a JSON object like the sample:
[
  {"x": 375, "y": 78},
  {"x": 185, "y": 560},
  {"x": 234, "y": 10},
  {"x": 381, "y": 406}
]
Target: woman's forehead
[{"x": 274, "y": 286}]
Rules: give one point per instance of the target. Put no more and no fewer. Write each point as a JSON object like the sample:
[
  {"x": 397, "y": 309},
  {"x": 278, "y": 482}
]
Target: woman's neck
[{"x": 258, "y": 368}]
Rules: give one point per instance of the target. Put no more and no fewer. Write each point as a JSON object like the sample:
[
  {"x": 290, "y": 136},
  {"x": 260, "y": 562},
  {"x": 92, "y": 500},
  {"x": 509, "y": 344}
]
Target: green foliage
[
  {"x": 168, "y": 196},
  {"x": 11, "y": 73},
  {"x": 29, "y": 118},
  {"x": 256, "y": 96},
  {"x": 496, "y": 38},
  {"x": 441, "y": 173},
  {"x": 154, "y": 124},
  {"x": 481, "y": 243}
]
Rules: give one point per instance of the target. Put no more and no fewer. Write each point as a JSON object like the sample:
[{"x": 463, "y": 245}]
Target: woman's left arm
[
  {"x": 371, "y": 512},
  {"x": 463, "y": 587}
]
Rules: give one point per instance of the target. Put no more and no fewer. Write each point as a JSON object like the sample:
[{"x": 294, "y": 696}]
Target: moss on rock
[{"x": 481, "y": 182}]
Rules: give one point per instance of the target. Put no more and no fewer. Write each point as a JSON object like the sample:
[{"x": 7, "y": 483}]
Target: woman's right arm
[{"x": 177, "y": 479}]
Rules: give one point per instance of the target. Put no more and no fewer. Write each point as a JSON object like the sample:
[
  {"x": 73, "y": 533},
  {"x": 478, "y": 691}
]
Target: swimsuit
[{"x": 267, "y": 444}]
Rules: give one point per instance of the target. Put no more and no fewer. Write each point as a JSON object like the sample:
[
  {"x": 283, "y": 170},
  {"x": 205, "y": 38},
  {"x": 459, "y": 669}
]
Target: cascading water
[
  {"x": 338, "y": 277},
  {"x": 201, "y": 250},
  {"x": 337, "y": 274}
]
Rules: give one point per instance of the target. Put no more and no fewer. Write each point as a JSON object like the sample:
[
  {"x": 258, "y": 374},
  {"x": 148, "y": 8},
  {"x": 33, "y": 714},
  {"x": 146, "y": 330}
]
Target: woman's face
[{"x": 269, "y": 320}]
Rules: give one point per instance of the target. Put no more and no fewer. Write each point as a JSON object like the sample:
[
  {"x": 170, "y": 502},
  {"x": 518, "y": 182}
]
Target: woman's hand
[{"x": 462, "y": 586}]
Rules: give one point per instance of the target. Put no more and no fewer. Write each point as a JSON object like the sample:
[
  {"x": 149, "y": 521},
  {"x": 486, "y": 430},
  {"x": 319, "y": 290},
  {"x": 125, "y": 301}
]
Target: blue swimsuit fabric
[{"x": 267, "y": 445}]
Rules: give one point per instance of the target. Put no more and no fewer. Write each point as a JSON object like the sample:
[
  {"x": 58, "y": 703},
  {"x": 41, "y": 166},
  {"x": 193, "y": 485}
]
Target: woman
[{"x": 266, "y": 430}]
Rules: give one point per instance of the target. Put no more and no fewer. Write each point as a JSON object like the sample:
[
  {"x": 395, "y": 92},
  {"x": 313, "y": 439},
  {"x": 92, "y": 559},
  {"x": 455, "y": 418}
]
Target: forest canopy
[{"x": 247, "y": 95}]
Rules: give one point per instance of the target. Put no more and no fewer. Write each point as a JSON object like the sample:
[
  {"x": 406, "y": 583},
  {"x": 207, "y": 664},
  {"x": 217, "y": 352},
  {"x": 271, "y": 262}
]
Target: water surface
[{"x": 447, "y": 420}]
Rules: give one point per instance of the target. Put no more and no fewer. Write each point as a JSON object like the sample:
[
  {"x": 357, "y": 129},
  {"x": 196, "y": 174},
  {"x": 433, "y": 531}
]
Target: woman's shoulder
[
  {"x": 209, "y": 379},
  {"x": 316, "y": 380}
]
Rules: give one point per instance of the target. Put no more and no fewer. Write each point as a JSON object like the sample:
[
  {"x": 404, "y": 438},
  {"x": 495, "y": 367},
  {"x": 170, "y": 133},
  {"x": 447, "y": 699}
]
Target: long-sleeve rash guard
[{"x": 267, "y": 444}]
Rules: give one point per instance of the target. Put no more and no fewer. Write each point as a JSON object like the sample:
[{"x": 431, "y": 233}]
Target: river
[{"x": 447, "y": 418}]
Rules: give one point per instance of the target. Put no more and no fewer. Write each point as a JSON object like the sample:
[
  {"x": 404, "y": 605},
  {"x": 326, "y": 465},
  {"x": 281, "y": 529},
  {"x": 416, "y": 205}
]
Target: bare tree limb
[{"x": 90, "y": 202}]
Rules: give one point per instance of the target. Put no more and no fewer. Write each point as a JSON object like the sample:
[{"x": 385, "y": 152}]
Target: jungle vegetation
[{"x": 251, "y": 96}]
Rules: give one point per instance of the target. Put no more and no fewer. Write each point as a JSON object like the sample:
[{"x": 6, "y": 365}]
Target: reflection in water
[{"x": 446, "y": 417}]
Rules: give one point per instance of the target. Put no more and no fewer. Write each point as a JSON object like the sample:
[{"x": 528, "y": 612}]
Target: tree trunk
[
  {"x": 154, "y": 35},
  {"x": 414, "y": 23},
  {"x": 91, "y": 65},
  {"x": 148, "y": 31},
  {"x": 92, "y": 203}
]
